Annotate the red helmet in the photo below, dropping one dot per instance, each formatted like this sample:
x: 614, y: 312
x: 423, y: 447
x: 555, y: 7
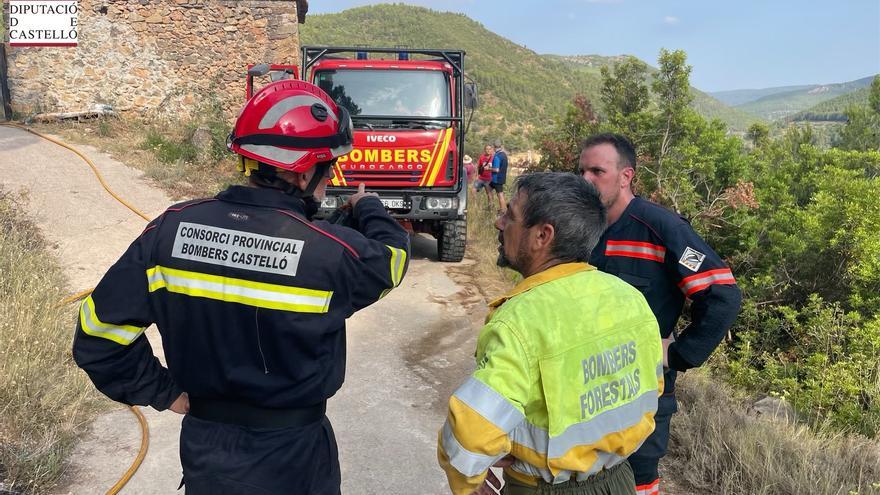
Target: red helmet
x: 292, y: 125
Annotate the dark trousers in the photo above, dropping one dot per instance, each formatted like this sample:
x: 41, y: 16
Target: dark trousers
x: 615, y: 481
x: 223, y: 459
x: 645, y: 460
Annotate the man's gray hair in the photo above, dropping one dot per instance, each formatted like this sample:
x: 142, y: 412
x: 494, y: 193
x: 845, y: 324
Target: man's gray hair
x: 571, y: 205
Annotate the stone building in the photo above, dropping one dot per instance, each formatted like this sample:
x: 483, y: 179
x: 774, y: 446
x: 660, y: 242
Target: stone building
x: 156, y: 55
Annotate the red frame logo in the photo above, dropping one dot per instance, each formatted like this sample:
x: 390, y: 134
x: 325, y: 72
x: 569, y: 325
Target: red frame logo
x: 43, y: 22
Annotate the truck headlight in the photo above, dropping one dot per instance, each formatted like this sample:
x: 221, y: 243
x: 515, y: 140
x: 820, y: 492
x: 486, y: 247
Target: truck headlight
x: 442, y: 203
x: 330, y: 202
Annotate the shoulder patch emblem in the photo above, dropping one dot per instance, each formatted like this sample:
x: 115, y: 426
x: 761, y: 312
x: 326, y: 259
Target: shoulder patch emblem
x: 692, y: 259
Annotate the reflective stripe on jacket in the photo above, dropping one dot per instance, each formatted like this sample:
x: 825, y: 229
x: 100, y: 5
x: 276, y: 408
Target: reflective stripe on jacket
x: 569, y: 369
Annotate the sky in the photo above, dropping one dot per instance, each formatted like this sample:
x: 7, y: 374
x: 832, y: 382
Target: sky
x: 731, y: 44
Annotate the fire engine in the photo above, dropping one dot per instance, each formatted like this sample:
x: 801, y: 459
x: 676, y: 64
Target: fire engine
x: 408, y: 110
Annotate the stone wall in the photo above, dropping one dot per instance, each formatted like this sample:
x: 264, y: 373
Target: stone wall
x: 165, y: 56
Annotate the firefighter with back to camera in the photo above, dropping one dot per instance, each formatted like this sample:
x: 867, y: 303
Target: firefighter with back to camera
x: 250, y: 296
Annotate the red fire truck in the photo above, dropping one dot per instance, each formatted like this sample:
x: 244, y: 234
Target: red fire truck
x: 408, y: 109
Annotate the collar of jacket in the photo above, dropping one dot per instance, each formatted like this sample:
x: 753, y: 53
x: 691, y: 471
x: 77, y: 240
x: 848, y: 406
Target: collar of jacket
x: 264, y: 197
x: 550, y: 274
x: 630, y: 209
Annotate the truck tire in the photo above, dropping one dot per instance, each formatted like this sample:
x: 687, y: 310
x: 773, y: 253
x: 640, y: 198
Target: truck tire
x: 452, y: 240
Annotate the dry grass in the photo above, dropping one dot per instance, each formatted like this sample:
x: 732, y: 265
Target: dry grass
x: 44, y: 399
x: 715, y: 446
x: 482, y: 247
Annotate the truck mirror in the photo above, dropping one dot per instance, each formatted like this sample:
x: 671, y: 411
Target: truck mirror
x: 279, y: 75
x: 258, y: 70
x: 470, y: 95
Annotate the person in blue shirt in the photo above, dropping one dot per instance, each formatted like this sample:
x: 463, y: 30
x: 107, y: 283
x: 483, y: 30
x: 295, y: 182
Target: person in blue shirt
x: 499, y: 174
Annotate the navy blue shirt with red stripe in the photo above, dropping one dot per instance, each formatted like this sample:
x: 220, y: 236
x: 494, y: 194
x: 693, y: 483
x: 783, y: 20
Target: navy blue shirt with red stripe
x: 658, y: 252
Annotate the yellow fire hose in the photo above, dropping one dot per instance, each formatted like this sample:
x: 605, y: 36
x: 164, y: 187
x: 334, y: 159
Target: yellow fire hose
x: 145, y: 431
x: 94, y: 168
x: 142, y: 452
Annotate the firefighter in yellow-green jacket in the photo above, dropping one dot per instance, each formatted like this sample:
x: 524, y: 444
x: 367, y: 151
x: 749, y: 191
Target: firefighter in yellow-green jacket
x: 569, y: 364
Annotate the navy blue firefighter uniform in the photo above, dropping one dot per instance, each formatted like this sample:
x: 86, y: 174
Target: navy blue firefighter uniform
x: 250, y: 298
x: 658, y: 252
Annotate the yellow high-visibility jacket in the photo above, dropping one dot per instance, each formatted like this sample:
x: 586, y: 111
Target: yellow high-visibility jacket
x: 569, y: 370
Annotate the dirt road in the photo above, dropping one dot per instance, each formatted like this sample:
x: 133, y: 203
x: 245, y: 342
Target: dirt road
x: 406, y: 353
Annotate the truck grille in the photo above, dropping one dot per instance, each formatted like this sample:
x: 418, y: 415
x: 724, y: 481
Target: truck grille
x: 383, y: 175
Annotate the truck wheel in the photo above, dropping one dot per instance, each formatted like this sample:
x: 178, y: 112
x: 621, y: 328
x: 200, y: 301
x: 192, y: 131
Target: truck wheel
x: 452, y: 240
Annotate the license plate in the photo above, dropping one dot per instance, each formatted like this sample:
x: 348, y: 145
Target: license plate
x: 393, y: 203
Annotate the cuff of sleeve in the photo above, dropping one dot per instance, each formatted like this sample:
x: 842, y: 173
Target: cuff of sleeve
x: 165, y: 401
x: 365, y: 205
x: 675, y: 361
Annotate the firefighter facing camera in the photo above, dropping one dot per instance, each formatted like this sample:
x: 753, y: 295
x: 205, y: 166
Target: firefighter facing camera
x: 250, y: 296
x: 659, y: 253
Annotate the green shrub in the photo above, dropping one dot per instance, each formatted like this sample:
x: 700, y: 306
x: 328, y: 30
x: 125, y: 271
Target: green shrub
x: 822, y: 359
x: 171, y: 140
x: 169, y: 150
x: 105, y: 128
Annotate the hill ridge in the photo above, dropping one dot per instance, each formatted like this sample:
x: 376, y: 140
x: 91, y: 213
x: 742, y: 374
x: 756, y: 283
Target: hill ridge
x: 703, y: 103
x: 521, y: 91
x: 784, y: 104
x: 833, y: 110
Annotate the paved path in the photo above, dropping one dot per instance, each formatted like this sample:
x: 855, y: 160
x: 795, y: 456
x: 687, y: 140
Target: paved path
x: 406, y: 353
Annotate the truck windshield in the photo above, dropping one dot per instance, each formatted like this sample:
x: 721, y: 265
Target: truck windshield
x: 392, y: 93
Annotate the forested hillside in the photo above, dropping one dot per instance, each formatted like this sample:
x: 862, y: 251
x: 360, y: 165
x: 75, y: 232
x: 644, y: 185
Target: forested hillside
x: 520, y: 90
x: 737, y: 97
x: 833, y: 109
x: 782, y: 105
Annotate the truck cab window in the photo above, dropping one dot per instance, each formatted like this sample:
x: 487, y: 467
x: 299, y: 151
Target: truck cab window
x: 404, y: 94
